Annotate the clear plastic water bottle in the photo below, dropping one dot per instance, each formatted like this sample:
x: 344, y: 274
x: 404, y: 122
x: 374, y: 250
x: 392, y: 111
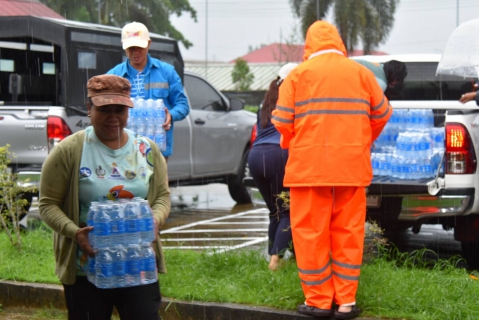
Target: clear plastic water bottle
x: 150, y: 111
x: 414, y: 168
x: 146, y: 225
x: 415, y: 116
x: 415, y: 145
x: 402, y: 114
x: 407, y: 145
x: 104, y: 268
x: 118, y: 254
x: 395, y: 166
x: 149, y: 274
x: 429, y: 115
x: 424, y: 146
x: 133, y: 265
x: 407, y: 119
x: 160, y: 138
x: 150, y: 131
x: 160, y: 113
x: 101, y: 221
x: 90, y: 221
x: 375, y: 163
x: 427, y: 168
x: 387, y: 164
x: 91, y: 270
x: 131, y: 214
x: 141, y: 127
x: 141, y: 108
x: 394, y: 120
x: 117, y: 224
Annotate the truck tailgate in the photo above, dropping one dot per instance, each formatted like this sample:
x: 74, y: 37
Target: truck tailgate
x: 25, y: 130
x: 386, y: 185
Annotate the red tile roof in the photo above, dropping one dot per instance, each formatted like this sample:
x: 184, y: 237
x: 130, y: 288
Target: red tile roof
x: 26, y: 8
x: 276, y: 52
x: 282, y: 53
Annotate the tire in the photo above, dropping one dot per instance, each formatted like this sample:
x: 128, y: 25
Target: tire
x: 470, y: 253
x: 236, y: 188
x: 387, y: 216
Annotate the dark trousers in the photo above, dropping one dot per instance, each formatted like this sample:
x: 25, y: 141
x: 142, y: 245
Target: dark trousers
x: 266, y: 163
x: 86, y: 302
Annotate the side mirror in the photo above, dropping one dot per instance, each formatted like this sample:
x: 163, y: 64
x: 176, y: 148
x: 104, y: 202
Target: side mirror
x: 236, y: 104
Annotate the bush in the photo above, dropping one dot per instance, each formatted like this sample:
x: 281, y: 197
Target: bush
x: 12, y: 206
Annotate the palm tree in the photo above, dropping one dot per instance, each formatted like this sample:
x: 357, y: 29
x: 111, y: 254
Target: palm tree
x: 368, y: 21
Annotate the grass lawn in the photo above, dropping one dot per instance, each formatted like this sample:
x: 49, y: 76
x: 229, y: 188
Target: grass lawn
x: 397, y: 285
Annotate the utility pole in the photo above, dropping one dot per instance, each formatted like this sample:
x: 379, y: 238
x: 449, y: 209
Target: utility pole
x: 317, y: 10
x: 206, y: 40
x: 99, y: 14
x: 457, y: 13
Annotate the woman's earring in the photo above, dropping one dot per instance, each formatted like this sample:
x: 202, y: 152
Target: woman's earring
x: 88, y: 115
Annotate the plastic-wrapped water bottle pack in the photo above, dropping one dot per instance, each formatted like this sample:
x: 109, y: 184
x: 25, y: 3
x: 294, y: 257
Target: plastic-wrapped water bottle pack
x: 122, y: 236
x: 147, y: 118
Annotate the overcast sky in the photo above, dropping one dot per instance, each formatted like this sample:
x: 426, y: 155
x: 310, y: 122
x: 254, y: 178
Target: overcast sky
x: 421, y: 26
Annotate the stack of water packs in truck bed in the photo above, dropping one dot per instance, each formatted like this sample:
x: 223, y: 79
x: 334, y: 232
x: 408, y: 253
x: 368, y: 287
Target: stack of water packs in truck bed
x: 409, y: 147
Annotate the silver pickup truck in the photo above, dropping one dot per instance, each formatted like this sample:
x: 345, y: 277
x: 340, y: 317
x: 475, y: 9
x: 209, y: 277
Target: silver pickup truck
x: 448, y: 195
x: 44, y: 66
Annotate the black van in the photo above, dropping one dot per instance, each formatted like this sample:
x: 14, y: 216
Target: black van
x: 44, y: 61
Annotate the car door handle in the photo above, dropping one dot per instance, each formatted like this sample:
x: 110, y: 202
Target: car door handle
x: 200, y: 121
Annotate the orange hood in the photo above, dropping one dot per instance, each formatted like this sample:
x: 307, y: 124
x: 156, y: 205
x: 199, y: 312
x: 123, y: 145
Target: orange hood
x: 321, y: 36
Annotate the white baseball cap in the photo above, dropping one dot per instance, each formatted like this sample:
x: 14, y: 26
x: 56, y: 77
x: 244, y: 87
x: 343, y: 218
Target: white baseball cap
x: 286, y: 69
x: 135, y: 34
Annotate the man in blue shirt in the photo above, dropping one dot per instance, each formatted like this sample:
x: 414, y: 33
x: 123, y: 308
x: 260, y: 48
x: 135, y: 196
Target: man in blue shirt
x: 151, y: 78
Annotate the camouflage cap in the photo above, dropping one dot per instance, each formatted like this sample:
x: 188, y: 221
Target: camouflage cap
x: 109, y: 89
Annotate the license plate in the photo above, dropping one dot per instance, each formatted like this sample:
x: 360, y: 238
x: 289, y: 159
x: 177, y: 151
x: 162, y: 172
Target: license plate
x: 373, y: 201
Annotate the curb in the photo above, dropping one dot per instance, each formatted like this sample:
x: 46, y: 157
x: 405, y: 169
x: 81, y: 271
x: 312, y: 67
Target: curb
x: 33, y: 295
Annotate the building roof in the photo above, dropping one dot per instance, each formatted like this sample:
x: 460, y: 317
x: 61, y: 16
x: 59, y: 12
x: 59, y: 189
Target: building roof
x: 26, y: 8
x: 283, y: 53
x: 275, y: 53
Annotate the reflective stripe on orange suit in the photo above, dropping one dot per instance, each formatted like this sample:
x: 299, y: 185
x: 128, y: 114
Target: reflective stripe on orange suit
x: 329, y: 111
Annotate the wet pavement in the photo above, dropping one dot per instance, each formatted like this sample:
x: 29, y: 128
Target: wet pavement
x: 206, y: 218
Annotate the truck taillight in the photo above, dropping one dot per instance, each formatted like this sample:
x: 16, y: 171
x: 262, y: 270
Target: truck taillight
x: 57, y: 130
x: 460, y: 155
x: 253, y: 134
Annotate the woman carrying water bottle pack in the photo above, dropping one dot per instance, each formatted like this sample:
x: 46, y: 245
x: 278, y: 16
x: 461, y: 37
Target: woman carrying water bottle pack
x: 104, y: 162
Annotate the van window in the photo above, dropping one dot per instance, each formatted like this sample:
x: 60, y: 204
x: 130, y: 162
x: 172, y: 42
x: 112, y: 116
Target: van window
x: 421, y: 83
x: 28, y: 73
x: 7, y: 65
x: 48, y: 68
x: 86, y: 60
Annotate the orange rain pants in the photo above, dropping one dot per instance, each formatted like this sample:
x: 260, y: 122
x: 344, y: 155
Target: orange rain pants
x: 328, y: 235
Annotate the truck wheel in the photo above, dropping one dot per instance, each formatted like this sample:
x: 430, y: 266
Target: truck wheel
x: 470, y: 252
x: 237, y: 189
x: 387, y: 215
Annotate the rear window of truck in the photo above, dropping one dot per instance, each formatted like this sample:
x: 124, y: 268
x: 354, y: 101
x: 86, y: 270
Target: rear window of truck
x: 421, y: 83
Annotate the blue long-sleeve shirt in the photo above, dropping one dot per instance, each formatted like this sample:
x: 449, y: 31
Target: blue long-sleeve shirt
x: 159, y: 81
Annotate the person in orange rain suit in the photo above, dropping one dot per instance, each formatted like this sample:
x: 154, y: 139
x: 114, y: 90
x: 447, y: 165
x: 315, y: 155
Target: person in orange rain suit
x: 329, y: 111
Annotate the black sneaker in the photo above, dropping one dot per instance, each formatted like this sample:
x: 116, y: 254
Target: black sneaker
x: 314, y: 312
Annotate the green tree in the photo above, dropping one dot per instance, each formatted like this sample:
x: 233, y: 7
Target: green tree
x: 368, y: 21
x: 152, y: 13
x: 241, y: 75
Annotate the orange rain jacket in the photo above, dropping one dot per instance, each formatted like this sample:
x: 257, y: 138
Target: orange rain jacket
x: 329, y: 111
